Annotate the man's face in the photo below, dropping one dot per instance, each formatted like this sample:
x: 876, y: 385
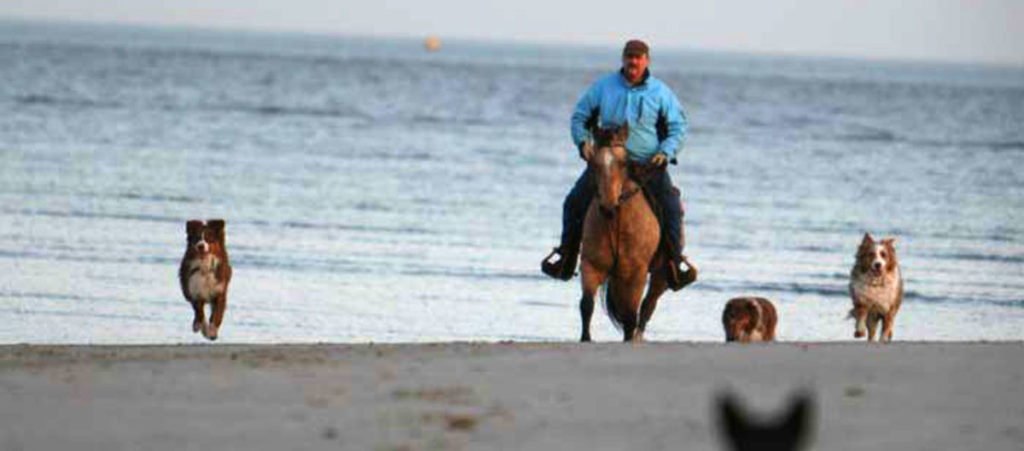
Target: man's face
x: 634, y: 65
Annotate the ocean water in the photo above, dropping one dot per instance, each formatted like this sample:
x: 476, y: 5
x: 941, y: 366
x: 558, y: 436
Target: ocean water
x: 377, y: 192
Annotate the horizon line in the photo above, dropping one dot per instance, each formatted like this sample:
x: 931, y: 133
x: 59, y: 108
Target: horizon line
x: 214, y: 28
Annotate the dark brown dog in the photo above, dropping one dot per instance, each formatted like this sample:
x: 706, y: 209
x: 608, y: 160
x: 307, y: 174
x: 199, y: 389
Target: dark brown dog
x: 205, y: 274
x: 749, y: 319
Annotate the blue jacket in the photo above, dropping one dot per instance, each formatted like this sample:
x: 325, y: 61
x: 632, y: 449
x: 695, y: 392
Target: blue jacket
x: 656, y: 119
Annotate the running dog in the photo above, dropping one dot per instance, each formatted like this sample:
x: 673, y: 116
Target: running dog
x: 205, y: 273
x: 876, y: 287
x: 749, y: 319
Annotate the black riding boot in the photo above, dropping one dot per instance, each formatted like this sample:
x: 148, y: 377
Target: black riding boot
x: 565, y: 267
x: 680, y: 272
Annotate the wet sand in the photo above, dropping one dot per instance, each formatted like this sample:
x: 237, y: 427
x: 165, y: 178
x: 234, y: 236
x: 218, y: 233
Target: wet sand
x: 605, y: 396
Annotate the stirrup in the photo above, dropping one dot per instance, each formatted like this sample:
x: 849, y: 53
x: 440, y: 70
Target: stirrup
x: 677, y: 280
x: 555, y: 269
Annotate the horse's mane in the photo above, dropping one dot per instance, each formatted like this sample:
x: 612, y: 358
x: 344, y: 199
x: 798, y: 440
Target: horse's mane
x: 610, y: 136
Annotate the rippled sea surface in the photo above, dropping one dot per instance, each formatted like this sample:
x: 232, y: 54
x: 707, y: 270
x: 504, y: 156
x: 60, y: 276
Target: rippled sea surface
x: 376, y: 192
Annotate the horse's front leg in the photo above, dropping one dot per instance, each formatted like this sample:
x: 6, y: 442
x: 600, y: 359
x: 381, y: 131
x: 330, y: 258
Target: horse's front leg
x: 657, y: 287
x: 592, y: 278
x: 630, y: 292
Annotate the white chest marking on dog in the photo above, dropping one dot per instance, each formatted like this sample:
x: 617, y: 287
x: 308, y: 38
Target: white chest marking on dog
x: 202, y: 284
x: 879, y: 293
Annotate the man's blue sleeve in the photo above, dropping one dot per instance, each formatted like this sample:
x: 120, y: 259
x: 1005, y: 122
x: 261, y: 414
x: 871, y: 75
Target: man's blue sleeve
x: 584, y: 108
x: 675, y: 119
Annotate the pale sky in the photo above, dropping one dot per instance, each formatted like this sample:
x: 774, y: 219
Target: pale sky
x: 989, y: 31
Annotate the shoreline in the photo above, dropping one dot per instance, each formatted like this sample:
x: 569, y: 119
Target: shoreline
x: 483, y: 395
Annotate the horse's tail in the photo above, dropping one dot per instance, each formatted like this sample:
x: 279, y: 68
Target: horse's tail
x: 611, y: 303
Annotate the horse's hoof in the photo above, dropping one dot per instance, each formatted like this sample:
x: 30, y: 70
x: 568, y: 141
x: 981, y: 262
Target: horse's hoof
x: 211, y: 333
x: 858, y: 335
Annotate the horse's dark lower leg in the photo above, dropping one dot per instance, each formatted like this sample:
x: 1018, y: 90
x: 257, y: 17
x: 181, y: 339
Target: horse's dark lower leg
x: 629, y: 329
x: 646, y: 311
x: 657, y: 287
x: 586, y: 311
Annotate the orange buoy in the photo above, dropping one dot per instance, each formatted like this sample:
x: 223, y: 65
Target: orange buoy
x: 432, y: 44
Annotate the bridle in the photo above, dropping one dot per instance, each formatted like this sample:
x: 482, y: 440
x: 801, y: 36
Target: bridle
x: 639, y: 173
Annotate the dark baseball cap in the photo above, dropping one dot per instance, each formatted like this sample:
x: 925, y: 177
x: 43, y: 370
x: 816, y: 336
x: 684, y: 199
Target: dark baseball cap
x: 635, y: 47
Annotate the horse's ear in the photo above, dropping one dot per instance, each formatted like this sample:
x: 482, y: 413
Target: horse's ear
x: 622, y: 133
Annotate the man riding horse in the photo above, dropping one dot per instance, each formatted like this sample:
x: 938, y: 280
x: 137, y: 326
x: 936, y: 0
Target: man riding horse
x: 657, y: 126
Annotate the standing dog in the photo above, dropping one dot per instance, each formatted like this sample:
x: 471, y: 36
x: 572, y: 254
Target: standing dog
x: 205, y: 273
x: 876, y: 287
x: 749, y: 319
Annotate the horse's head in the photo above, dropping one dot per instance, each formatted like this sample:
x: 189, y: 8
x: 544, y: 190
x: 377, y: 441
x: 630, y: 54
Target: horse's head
x: 608, y: 166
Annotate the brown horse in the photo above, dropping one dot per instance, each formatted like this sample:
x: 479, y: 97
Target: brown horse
x: 620, y: 242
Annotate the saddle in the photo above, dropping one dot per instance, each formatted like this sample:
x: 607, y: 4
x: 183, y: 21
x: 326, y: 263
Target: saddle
x: 642, y: 173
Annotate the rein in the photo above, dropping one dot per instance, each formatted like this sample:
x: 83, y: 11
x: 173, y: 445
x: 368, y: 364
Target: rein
x: 640, y: 174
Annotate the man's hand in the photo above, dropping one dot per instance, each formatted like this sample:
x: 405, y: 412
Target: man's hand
x: 659, y: 159
x: 586, y: 150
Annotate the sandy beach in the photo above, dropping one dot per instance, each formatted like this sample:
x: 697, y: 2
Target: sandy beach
x: 611, y: 396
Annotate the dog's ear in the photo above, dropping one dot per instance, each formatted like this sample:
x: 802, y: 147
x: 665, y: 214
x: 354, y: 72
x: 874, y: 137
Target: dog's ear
x: 217, y: 226
x: 867, y: 239
x: 731, y: 421
x: 193, y: 227
x: 890, y: 245
x: 788, y: 431
x: 799, y: 422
